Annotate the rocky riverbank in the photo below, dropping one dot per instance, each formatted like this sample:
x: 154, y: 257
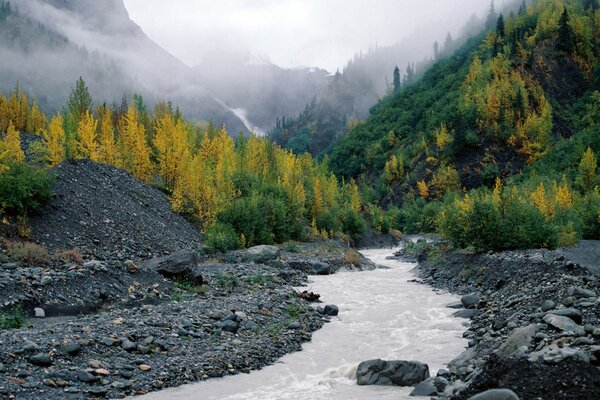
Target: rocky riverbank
x: 534, y: 321
x: 136, y: 331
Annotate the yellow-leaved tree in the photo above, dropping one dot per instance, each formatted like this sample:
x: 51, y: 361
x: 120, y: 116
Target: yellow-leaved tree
x: 586, y: 177
x: 172, y: 146
x: 10, y: 146
x: 54, y: 139
x: 135, y: 149
x: 85, y: 144
x: 107, y: 147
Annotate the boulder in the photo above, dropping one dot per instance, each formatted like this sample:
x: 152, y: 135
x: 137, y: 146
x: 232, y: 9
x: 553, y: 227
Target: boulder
x: 470, y: 300
x: 518, y: 338
x: 41, y: 360
x: 425, y: 388
x: 39, y: 312
x: 320, y: 268
x: 395, y: 373
x: 565, y: 324
x: 496, y: 394
x: 261, y: 254
x: 548, y: 305
x: 331, y: 310
x: 183, y: 264
x: 580, y: 292
x: 572, y: 313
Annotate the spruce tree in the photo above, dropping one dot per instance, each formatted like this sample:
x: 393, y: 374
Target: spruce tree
x: 500, y: 26
x: 492, y: 16
x: 80, y: 100
x: 523, y: 9
x: 566, y: 35
x: 396, y: 79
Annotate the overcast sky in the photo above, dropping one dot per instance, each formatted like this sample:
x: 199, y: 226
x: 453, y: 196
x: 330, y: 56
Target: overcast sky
x: 290, y: 33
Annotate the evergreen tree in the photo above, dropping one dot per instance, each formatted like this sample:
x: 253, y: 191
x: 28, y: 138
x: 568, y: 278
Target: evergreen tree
x: 448, y: 44
x: 396, y: 79
x: 436, y: 50
x: 492, y: 16
x: 523, y: 9
x: 566, y: 35
x: 80, y: 100
x: 593, y: 4
x: 500, y: 26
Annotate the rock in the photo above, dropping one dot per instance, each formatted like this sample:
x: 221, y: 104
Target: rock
x: 41, y: 360
x: 468, y: 314
x: 518, y: 338
x: 145, y: 367
x: 572, y: 313
x: 261, y: 254
x: 183, y: 264
x: 564, y: 324
x: 553, y: 355
x: 102, y: 371
x: 9, y: 266
x: 455, y: 304
x: 107, y: 341
x: 86, y: 377
x: 547, y: 305
x: 320, y: 268
x: 71, y: 348
x: 580, y: 292
x: 230, y: 326
x: 425, y: 388
x: 331, y: 310
x: 396, y: 373
x: 128, y: 345
x: 496, y: 394
x: 131, y: 266
x: 39, y: 312
x: 95, y: 364
x: 470, y: 300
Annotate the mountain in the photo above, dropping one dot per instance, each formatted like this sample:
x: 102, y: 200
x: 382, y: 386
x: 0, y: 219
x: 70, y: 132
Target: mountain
x: 99, y: 41
x: 502, y: 102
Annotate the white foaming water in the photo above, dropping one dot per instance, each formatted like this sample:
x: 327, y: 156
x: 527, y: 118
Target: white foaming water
x: 382, y: 315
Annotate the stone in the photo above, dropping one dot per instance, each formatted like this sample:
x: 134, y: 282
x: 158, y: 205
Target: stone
x: 553, y: 354
x: 455, y: 304
x: 128, y: 345
x: 39, y: 312
x: 71, y: 348
x: 496, y: 394
x: 467, y: 313
x: 572, y: 313
x: 395, y: 373
x: 107, y: 341
x: 95, y: 364
x: 425, y: 388
x: 470, y: 300
x: 321, y: 268
x: 131, y: 266
x: 183, y: 264
x: 580, y: 292
x: 102, y: 371
x: 564, y: 324
x: 41, y: 360
x: 518, y: 338
x: 230, y: 326
x: 261, y: 254
x: 547, y: 305
x: 86, y: 377
x: 145, y: 367
x: 331, y: 310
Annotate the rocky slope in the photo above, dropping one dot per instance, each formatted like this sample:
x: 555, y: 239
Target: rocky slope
x: 535, y: 321
x: 108, y: 214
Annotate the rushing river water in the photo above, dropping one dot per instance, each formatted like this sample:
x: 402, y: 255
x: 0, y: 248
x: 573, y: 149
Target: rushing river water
x: 382, y: 315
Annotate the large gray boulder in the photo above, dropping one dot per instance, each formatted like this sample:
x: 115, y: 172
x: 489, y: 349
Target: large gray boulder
x: 470, y: 300
x: 183, y: 264
x: 395, y: 373
x: 261, y: 254
x: 518, y: 338
x: 496, y: 394
x: 564, y: 324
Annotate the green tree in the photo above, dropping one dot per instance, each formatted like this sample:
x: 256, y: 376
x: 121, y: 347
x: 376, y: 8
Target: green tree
x: 500, y: 26
x: 80, y: 100
x: 492, y: 16
x: 397, y: 79
x: 566, y: 35
x: 586, y: 176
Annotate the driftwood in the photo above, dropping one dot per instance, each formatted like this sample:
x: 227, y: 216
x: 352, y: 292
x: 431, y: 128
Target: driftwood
x: 308, y: 296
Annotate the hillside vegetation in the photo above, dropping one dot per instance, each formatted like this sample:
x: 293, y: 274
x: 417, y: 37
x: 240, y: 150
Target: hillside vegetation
x: 494, y: 147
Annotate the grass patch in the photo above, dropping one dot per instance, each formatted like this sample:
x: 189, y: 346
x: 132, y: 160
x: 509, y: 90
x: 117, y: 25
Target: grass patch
x: 352, y: 256
x: 227, y: 280
x: 295, y: 310
x: 27, y: 252
x: 187, y: 286
x: 71, y: 256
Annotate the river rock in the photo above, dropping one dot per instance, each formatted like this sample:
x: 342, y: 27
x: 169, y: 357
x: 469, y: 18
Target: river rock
x: 518, y: 338
x: 181, y: 264
x: 547, y: 305
x: 580, y: 292
x: 320, y: 268
x: 261, y: 254
x: 331, y: 310
x: 41, y: 360
x: 565, y: 324
x: 396, y: 373
x: 470, y: 300
x: 425, y: 388
x: 496, y: 394
x: 39, y: 312
x: 572, y: 313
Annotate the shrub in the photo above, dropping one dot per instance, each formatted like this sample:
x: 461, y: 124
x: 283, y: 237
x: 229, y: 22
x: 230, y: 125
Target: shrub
x: 24, y: 189
x: 221, y: 237
x: 70, y: 256
x: 352, y: 256
x: 13, y: 319
x: 27, y: 252
x: 353, y: 224
x: 327, y: 221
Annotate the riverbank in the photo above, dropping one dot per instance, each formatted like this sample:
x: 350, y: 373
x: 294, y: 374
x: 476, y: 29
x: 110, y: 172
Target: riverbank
x: 535, y: 320
x: 153, y: 333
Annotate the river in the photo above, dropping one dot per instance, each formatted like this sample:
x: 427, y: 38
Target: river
x: 382, y: 315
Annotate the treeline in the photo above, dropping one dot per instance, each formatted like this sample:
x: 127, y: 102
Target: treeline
x: 242, y: 193
x: 497, y: 111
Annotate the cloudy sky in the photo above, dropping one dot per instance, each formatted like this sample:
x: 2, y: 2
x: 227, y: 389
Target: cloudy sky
x: 322, y: 33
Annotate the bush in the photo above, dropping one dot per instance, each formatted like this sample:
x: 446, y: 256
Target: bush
x: 24, y: 190
x: 418, y: 216
x: 327, y: 221
x: 353, y: 224
x: 13, y: 319
x: 221, y: 237
x: 588, y: 209
x: 27, y: 252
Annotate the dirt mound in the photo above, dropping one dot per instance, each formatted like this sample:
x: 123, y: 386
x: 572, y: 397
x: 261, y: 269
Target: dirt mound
x: 107, y: 213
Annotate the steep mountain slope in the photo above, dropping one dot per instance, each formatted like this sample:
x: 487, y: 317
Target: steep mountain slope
x: 503, y: 101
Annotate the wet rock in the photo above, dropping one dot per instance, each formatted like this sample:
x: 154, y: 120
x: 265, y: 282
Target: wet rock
x: 467, y: 313
x: 331, y: 310
x: 261, y: 254
x: 470, y: 300
x: 425, y: 388
x: 496, y: 394
x: 396, y: 373
x: 320, y: 268
x: 564, y: 324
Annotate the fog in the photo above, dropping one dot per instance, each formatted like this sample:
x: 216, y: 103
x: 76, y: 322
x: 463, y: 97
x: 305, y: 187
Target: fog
x: 290, y: 33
